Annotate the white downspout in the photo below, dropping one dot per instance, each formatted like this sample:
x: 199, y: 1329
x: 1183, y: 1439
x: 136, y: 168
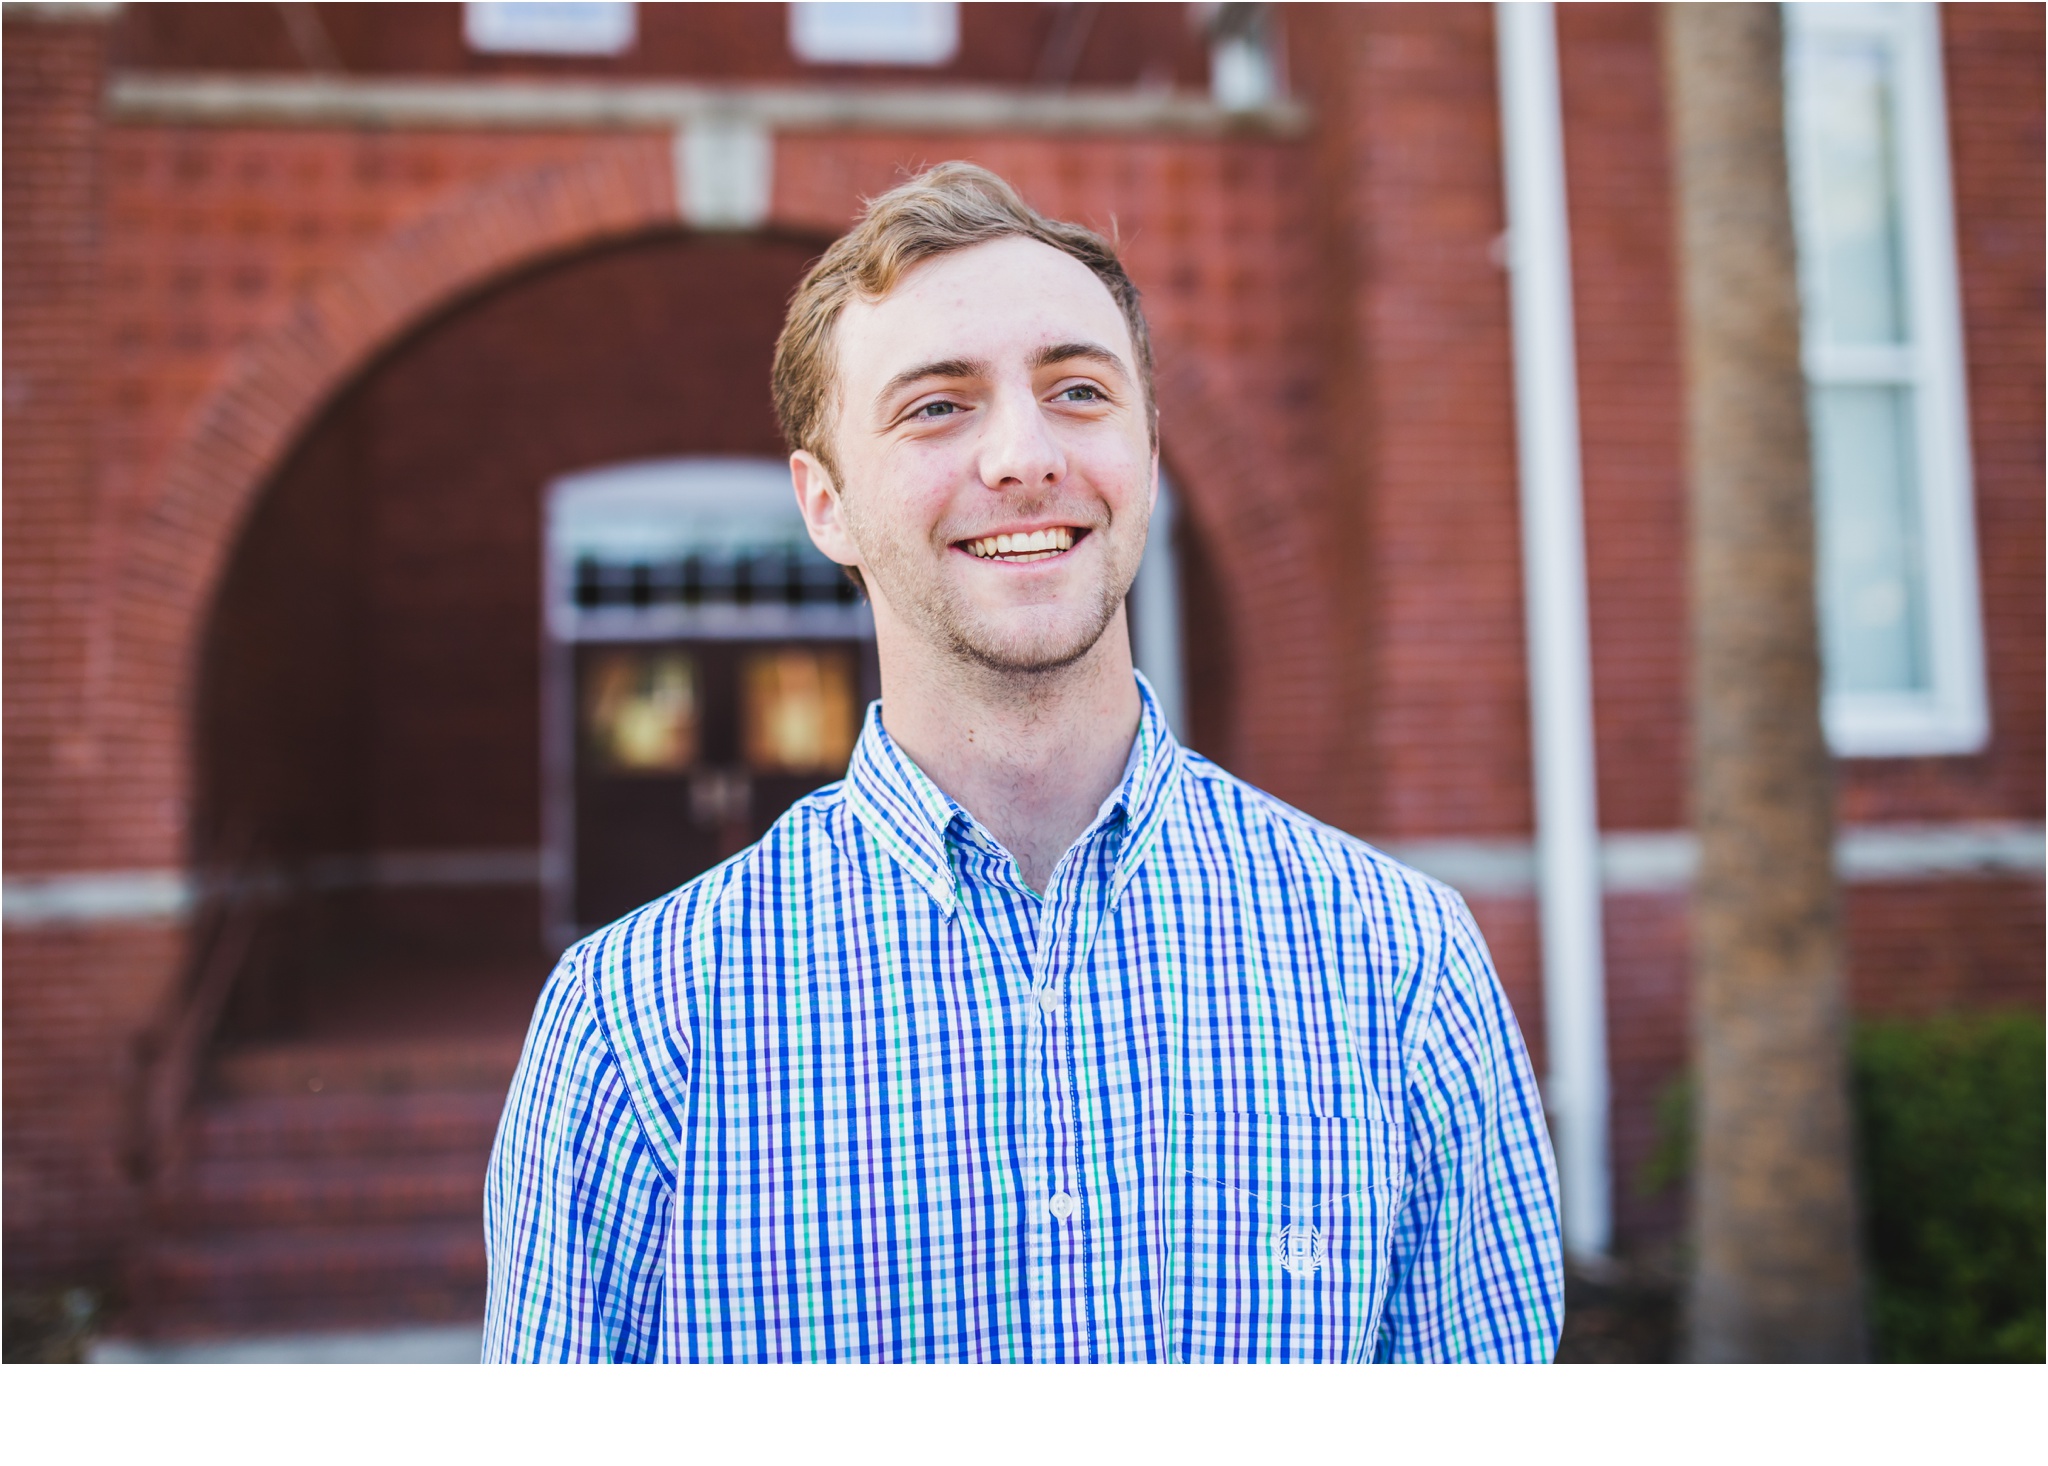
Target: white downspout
x: 1560, y: 656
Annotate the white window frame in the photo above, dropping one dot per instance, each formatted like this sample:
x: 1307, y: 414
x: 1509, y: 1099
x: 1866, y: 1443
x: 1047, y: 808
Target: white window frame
x: 650, y: 506
x: 524, y: 28
x: 857, y: 33
x: 1952, y: 717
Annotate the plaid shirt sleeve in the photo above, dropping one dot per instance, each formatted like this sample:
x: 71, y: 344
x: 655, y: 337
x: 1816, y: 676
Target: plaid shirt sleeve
x: 1478, y: 1264
x: 576, y: 1203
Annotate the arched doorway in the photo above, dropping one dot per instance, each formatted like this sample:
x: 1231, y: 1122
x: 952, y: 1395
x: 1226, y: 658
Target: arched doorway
x: 369, y: 721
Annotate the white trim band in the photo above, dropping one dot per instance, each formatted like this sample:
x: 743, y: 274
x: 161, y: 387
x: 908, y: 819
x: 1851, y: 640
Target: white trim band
x: 60, y: 12
x: 1662, y: 862
x: 122, y: 897
x: 307, y: 101
x: 1632, y: 862
x: 96, y: 898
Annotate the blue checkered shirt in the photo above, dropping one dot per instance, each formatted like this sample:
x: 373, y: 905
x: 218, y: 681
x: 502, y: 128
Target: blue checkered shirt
x: 1235, y: 1087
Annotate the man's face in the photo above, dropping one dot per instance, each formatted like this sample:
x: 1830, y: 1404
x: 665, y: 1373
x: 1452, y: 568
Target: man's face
x: 996, y: 471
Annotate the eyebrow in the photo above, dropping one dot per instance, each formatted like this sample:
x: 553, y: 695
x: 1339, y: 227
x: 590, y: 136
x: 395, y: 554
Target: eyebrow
x: 952, y: 369
x: 1078, y: 351
x: 958, y: 369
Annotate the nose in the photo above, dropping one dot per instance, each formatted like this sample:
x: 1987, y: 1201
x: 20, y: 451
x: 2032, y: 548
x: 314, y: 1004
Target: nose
x: 1018, y: 449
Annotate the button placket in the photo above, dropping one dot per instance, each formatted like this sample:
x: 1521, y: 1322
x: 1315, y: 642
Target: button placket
x: 1055, y: 962
x: 1051, y: 1236
x: 990, y: 867
x: 1038, y: 1145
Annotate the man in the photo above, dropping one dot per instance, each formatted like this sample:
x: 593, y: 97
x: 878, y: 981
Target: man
x: 1039, y: 1037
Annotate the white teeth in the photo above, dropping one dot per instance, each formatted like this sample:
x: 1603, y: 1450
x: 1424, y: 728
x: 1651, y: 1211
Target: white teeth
x: 1039, y: 542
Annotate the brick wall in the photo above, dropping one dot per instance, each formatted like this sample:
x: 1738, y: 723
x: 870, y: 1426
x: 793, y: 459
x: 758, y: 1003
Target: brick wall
x: 1012, y: 43
x: 54, y: 373
x: 1631, y: 407
x: 1423, y: 409
x: 75, y: 1000
x: 70, y: 1001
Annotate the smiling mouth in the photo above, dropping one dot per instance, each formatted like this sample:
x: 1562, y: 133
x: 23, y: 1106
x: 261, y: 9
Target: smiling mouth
x: 1020, y: 549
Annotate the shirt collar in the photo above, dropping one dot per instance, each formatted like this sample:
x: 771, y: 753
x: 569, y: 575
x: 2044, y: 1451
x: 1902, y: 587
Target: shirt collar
x: 912, y: 817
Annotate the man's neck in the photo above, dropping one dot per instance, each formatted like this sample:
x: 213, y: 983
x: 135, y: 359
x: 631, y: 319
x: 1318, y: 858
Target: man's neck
x: 1030, y: 755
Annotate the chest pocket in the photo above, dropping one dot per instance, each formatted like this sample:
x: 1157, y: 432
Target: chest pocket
x: 1279, y: 1248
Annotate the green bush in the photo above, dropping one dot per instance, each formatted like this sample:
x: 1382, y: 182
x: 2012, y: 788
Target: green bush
x: 1949, y: 1118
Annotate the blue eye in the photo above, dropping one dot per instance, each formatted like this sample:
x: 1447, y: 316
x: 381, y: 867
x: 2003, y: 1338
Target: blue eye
x: 936, y: 409
x: 1095, y: 394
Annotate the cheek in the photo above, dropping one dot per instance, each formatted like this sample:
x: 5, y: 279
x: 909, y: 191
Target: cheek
x: 1125, y: 486
x: 904, y: 495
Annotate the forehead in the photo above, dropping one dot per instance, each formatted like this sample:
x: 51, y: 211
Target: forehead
x: 986, y: 303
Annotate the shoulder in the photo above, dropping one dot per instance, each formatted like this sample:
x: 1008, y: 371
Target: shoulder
x: 639, y: 975
x: 1249, y: 821
x: 662, y: 929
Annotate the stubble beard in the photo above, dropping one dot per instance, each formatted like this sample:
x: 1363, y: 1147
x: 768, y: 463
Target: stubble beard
x: 946, y: 619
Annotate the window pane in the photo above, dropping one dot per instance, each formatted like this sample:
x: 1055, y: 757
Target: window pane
x: 640, y: 711
x: 1872, y: 599
x: 1844, y: 115
x: 875, y: 32
x: 550, y: 27
x: 799, y: 715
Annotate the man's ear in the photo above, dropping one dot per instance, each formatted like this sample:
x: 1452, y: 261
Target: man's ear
x: 817, y: 499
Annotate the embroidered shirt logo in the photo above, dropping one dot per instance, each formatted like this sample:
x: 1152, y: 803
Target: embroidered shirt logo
x: 1299, y: 1248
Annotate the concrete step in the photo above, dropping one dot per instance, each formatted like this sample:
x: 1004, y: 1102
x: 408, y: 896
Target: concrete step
x: 327, y: 1185
x: 333, y: 1276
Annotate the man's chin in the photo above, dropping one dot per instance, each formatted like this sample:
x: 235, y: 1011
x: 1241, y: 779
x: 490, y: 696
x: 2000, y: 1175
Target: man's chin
x: 1026, y: 650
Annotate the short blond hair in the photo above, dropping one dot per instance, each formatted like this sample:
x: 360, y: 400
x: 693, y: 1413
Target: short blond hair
x: 949, y: 207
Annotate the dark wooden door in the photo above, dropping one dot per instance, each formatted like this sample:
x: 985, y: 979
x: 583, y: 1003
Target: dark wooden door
x: 687, y: 751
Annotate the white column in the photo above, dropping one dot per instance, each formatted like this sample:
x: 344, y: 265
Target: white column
x: 725, y: 172
x: 1560, y: 658
x: 1155, y: 598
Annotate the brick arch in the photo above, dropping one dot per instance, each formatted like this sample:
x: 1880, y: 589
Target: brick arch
x: 1286, y: 729
x: 176, y: 544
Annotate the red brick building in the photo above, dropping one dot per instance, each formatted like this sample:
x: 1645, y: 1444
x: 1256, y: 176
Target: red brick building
x: 308, y: 306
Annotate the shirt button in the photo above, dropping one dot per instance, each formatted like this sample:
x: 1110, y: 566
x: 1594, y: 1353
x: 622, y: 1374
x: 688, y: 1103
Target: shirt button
x: 1048, y: 998
x: 1063, y: 1205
